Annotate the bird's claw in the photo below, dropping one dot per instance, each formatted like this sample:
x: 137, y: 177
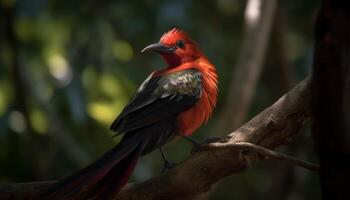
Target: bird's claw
x: 215, y: 139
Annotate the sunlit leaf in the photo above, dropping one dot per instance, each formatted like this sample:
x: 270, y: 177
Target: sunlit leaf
x: 60, y: 69
x: 39, y: 121
x: 103, y: 112
x: 6, y: 95
x: 109, y: 85
x: 89, y: 75
x: 17, y: 122
x: 122, y: 50
x: 24, y: 29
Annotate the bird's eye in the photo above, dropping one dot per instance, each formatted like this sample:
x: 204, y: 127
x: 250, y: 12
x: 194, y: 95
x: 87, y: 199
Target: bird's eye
x: 180, y: 44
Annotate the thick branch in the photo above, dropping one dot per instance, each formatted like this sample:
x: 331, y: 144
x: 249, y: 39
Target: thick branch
x: 271, y: 128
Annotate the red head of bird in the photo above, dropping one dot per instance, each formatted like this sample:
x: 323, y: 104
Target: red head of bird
x: 180, y: 52
x: 176, y: 47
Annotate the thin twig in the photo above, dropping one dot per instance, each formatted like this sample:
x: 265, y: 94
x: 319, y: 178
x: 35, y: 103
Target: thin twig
x: 266, y: 153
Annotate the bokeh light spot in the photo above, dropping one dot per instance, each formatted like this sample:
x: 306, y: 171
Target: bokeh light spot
x: 3, y: 102
x: 60, y: 69
x: 122, y: 50
x: 253, y: 12
x: 89, y: 76
x: 109, y: 85
x: 102, y: 112
x: 38, y: 121
x: 25, y: 29
x: 17, y: 122
x: 6, y: 95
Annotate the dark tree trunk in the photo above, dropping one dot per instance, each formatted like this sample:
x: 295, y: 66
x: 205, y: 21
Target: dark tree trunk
x: 331, y: 97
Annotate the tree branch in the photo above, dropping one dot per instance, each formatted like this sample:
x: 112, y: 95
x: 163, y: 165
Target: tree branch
x: 249, y: 148
x: 273, y: 127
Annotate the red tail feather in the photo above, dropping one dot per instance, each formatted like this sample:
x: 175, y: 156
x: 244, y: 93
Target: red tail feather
x: 103, y: 178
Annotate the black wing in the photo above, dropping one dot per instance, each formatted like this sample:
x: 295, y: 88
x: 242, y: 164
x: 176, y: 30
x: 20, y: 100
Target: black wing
x: 159, y: 98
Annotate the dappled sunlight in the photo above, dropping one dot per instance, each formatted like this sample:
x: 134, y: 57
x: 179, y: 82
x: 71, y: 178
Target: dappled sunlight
x: 89, y: 77
x: 17, y: 122
x: 6, y: 95
x: 110, y: 86
x: 122, y: 50
x: 24, y: 29
x: 59, y: 69
x: 46, y: 90
x: 252, y: 12
x: 104, y: 112
x: 38, y: 121
x: 3, y: 103
x: 107, y: 98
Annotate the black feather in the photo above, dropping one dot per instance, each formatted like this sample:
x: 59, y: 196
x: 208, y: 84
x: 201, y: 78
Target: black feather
x: 159, y: 98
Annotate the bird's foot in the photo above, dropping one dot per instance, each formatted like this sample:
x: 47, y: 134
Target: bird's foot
x: 168, y: 166
x: 215, y: 139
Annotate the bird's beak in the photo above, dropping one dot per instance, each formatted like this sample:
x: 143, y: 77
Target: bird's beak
x: 158, y: 47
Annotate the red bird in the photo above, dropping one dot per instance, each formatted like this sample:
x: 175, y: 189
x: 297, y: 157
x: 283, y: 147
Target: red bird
x: 174, y: 101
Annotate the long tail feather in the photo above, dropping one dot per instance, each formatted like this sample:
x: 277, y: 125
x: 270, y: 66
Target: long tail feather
x: 103, y: 178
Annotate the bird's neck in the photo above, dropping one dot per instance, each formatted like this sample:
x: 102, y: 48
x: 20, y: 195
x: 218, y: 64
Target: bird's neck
x: 172, y: 61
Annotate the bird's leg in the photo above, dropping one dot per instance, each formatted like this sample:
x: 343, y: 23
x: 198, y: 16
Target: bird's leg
x: 167, y: 164
x: 193, y: 141
x: 196, y: 145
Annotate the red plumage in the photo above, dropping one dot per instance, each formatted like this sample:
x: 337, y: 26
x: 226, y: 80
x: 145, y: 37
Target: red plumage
x: 173, y: 101
x: 191, y: 57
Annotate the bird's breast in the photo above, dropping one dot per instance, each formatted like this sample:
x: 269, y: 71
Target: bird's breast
x: 191, y: 119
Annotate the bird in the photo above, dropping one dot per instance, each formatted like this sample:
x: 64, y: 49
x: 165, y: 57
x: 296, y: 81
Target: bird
x: 173, y: 101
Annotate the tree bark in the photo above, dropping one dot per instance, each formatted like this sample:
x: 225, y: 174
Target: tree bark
x: 331, y: 97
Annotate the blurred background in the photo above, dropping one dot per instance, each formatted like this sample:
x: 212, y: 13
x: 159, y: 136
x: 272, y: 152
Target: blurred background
x: 67, y: 68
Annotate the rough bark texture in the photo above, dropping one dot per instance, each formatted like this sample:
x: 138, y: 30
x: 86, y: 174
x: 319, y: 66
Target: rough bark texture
x: 331, y: 97
x: 273, y: 127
